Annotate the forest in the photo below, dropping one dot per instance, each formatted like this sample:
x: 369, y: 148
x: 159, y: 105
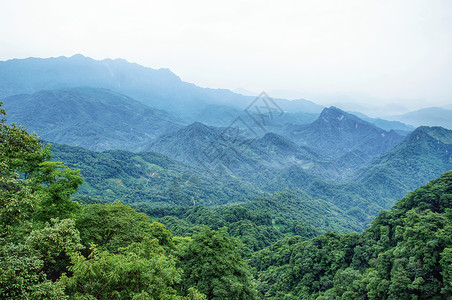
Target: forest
x: 52, y: 247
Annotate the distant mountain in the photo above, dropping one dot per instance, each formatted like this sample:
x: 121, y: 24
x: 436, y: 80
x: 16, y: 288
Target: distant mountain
x: 157, y: 88
x: 336, y: 132
x: 223, y: 115
x: 245, y: 92
x: 187, y: 144
x: 93, y: 118
x: 431, y: 116
x: 386, y: 124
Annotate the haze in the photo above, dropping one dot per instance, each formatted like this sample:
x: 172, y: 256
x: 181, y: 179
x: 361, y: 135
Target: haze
x: 369, y: 53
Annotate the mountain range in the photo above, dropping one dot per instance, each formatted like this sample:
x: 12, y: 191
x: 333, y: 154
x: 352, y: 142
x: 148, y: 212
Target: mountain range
x: 160, y: 88
x: 150, y: 139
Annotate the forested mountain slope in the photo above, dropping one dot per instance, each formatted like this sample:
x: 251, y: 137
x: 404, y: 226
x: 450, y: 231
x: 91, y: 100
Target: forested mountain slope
x: 405, y: 254
x: 264, y: 166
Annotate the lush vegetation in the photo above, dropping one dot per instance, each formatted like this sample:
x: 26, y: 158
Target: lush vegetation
x: 52, y: 247
x: 405, y: 254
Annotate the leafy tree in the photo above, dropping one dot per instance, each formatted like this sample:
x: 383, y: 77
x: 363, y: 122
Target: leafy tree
x: 22, y: 275
x: 212, y: 264
x: 32, y: 191
x: 115, y: 225
x: 53, y: 244
x: 139, y: 271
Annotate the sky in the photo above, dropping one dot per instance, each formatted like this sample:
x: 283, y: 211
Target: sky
x: 370, y: 53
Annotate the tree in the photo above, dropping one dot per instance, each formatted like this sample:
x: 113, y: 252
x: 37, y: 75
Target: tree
x: 112, y: 226
x: 32, y: 191
x: 20, y: 155
x: 212, y: 264
x: 140, y: 271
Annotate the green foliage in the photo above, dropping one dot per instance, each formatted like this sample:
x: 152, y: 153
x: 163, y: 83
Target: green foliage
x: 22, y: 275
x: 53, y: 244
x: 405, y: 254
x: 213, y: 265
x: 148, y: 177
x: 20, y: 155
x: 114, y: 226
x: 139, y: 271
x: 54, y: 184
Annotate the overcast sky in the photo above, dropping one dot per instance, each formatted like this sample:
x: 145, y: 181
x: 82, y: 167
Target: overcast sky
x: 373, y: 52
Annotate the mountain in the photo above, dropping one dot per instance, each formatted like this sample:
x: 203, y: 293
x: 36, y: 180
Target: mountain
x: 431, y: 116
x: 160, y: 88
x: 187, y: 144
x: 257, y: 166
x: 223, y: 151
x: 93, y: 118
x: 336, y: 132
x: 223, y: 116
x: 425, y: 154
x: 153, y: 182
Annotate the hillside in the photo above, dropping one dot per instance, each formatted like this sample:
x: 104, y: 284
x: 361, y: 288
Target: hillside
x: 52, y: 247
x: 405, y: 254
x: 93, y: 118
x: 149, y: 177
x: 423, y: 155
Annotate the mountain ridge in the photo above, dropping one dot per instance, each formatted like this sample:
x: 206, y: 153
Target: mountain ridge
x: 95, y: 118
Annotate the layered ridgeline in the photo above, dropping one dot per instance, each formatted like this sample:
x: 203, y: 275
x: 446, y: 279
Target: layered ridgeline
x: 265, y: 166
x: 149, y: 177
x: 331, y: 148
x: 161, y: 186
x: 93, y: 118
x: 421, y: 155
x: 160, y: 88
x: 55, y: 248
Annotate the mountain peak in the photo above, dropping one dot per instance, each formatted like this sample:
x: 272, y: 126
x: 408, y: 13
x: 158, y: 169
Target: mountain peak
x: 333, y: 113
x: 78, y: 56
x: 336, y: 132
x: 197, y: 125
x: 333, y: 118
